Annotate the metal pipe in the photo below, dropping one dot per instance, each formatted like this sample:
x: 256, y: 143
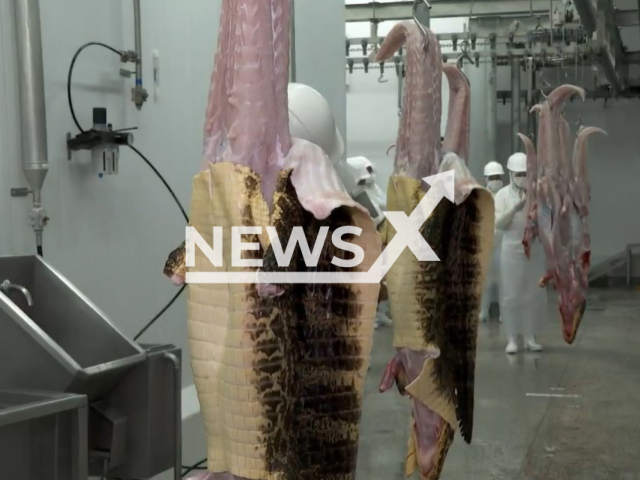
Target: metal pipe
x: 292, y: 43
x: 515, y: 104
x: 138, y: 39
x: 177, y: 380
x: 373, y: 37
x: 33, y: 119
x: 492, y: 109
x: 400, y: 89
x: 6, y: 287
x: 139, y: 95
x: 531, y: 92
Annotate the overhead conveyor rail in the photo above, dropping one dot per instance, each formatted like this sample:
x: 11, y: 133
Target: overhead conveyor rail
x: 600, y: 21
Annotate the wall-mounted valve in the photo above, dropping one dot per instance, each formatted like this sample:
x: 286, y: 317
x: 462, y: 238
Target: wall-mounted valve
x: 474, y: 37
x: 103, y: 142
x: 348, y: 47
x: 454, y: 40
x: 365, y: 62
x: 351, y: 63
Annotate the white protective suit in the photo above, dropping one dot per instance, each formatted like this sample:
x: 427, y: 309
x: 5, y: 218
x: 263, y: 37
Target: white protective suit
x: 523, y: 302
x: 491, y: 292
x: 359, y: 177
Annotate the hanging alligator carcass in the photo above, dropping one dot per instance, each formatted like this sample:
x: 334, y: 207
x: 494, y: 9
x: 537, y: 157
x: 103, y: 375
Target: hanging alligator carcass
x: 279, y: 369
x: 434, y: 305
x: 558, y: 196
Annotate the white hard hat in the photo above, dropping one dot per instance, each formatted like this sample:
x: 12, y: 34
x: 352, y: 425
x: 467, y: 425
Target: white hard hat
x: 493, y: 168
x: 311, y: 119
x: 356, y: 172
x: 517, y: 163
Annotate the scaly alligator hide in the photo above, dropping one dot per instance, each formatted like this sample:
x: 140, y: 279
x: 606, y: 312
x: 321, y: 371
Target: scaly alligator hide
x: 279, y: 369
x: 280, y: 380
x: 434, y: 305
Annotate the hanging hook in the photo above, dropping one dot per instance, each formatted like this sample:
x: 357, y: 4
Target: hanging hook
x: 382, y: 79
x: 464, y: 48
x: 422, y: 27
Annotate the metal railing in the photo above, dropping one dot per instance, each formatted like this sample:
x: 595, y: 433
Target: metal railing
x: 629, y: 251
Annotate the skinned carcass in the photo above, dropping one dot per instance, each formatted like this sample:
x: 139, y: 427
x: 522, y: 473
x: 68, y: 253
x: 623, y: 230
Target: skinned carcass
x: 558, y: 199
x: 434, y: 305
x: 279, y: 369
x: 457, y: 134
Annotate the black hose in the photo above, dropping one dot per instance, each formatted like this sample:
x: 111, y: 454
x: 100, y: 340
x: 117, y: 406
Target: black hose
x: 140, y: 154
x: 194, y: 467
x: 160, y: 313
x: 159, y: 175
x: 73, y: 63
x: 186, y: 217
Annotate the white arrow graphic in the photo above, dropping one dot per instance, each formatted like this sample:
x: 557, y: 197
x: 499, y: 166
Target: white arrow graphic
x: 407, y: 236
x: 408, y: 228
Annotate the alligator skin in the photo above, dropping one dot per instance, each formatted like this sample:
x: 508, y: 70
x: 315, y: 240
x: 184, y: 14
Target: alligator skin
x: 280, y: 380
x: 279, y: 369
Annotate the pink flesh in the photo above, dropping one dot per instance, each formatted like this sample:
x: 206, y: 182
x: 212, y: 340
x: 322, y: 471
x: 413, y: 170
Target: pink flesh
x: 247, y: 115
x: 419, y: 134
x: 427, y: 423
x: 531, y: 230
x: 177, y: 280
x: 561, y: 198
x: 215, y: 476
x: 456, y: 138
x: 208, y: 476
x: 581, y: 194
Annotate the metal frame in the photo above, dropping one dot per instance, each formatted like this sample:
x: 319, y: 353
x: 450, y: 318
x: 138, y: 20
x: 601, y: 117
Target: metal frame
x: 446, y: 8
x: 506, y: 53
x: 599, y: 19
x: 43, y: 404
x: 626, y: 18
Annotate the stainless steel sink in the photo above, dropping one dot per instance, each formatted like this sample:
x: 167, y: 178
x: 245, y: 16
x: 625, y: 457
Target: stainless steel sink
x: 61, y: 343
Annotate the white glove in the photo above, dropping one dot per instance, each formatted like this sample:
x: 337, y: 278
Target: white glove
x: 503, y: 222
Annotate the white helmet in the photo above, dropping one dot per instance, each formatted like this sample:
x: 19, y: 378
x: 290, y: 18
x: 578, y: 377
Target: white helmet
x: 517, y: 163
x: 357, y: 172
x: 493, y: 168
x: 311, y: 119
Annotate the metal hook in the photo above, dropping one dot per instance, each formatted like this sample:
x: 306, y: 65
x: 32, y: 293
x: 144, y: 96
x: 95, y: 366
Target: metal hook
x: 382, y: 79
x: 464, y: 48
x: 422, y: 28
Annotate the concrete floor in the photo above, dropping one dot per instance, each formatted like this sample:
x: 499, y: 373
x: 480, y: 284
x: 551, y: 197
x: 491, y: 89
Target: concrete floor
x: 592, y: 433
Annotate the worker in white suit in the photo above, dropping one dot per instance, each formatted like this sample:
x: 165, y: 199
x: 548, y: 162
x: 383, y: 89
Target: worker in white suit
x: 522, y: 302
x: 311, y: 119
x: 493, y: 174
x: 359, y: 177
